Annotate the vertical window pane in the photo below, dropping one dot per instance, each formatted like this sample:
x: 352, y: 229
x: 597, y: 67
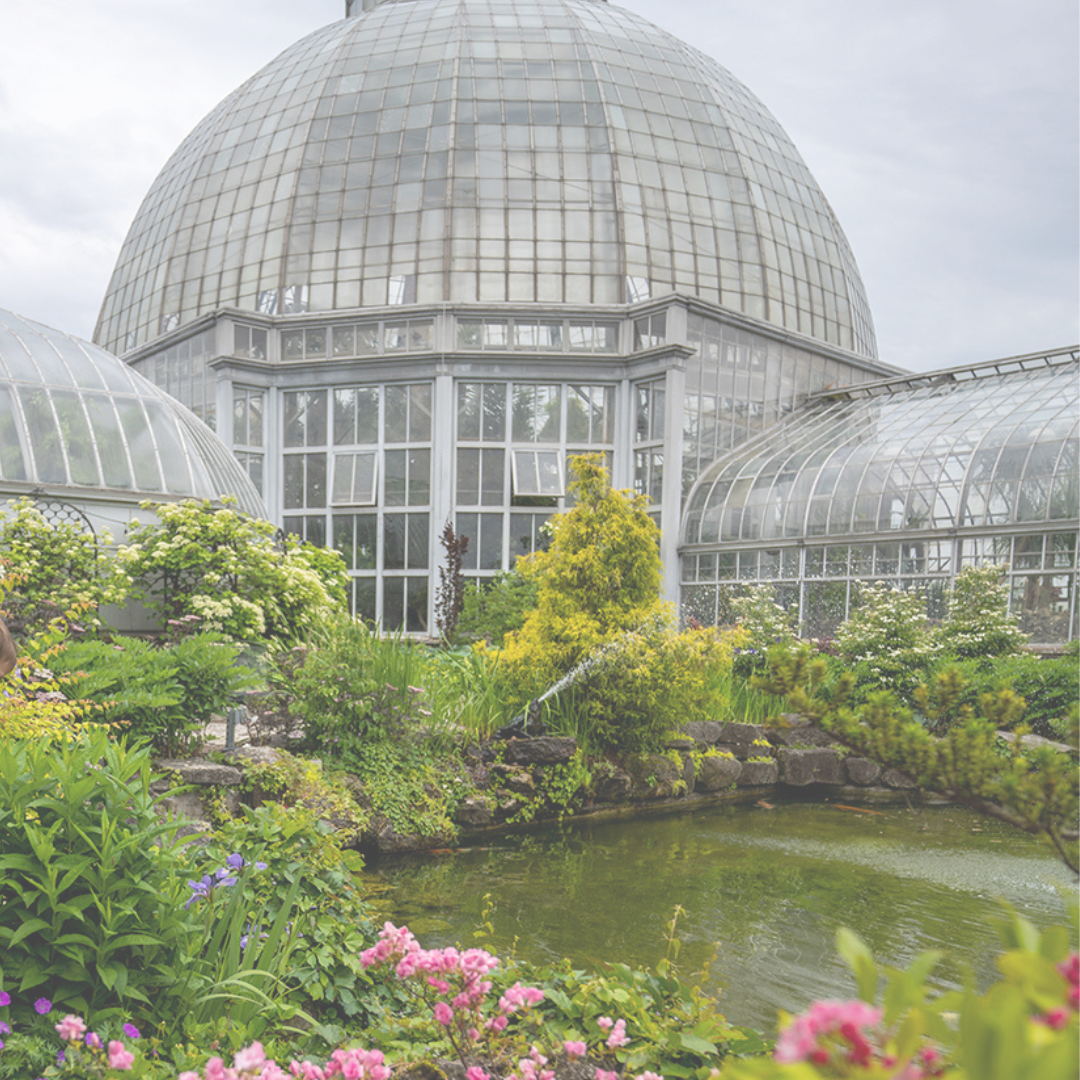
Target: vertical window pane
x: 420, y: 412
x: 344, y: 417
x: 419, y: 477
x: 394, y: 484
x: 397, y: 407
x: 418, y: 541
x: 468, y: 476
x: 394, y: 542
x: 494, y: 463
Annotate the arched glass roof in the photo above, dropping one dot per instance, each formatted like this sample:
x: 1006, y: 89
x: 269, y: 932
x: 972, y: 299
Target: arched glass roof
x: 523, y: 151
x: 931, y: 452
x: 74, y: 416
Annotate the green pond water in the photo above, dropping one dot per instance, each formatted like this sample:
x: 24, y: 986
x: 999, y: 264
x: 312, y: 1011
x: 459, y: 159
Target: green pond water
x: 765, y: 889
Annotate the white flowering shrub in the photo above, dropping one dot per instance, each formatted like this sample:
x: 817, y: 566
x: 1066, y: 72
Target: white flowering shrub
x: 887, y: 639
x: 225, y: 568
x: 54, y: 569
x: 765, y: 625
x: 978, y: 623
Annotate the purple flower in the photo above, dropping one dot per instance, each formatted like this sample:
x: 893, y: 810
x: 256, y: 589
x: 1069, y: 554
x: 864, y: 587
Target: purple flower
x: 4, y: 1029
x: 43, y: 1006
x: 234, y: 862
x: 61, y: 1057
x: 93, y: 1040
x: 131, y: 1031
x: 260, y: 866
x: 5, y: 998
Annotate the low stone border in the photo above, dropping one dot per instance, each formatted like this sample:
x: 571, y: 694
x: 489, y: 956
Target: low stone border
x: 708, y: 764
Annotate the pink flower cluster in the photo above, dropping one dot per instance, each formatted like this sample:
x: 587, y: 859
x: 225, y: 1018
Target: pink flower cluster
x: 454, y: 975
x: 1069, y: 969
x: 617, y: 1029
x: 251, y: 1063
x: 802, y: 1039
x: 73, y: 1028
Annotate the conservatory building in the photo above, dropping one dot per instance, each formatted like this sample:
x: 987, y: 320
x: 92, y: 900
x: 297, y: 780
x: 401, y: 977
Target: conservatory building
x: 434, y: 250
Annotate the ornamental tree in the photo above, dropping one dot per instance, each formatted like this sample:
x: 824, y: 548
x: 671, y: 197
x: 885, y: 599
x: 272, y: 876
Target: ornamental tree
x: 599, y: 578
x: 226, y: 569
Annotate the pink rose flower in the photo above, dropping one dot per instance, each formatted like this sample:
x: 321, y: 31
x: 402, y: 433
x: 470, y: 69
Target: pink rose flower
x: 574, y: 1049
x: 119, y: 1057
x: 474, y: 1072
x: 443, y: 1014
x: 71, y: 1028
x: 617, y: 1037
x: 605, y: 1023
x: 603, y: 1074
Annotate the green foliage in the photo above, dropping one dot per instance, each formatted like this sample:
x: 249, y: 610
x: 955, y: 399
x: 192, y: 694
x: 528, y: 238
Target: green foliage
x: 1049, y: 686
x: 887, y: 639
x: 164, y: 694
x: 36, y: 702
x: 1035, y: 789
x: 90, y: 900
x: 673, y: 1025
x: 305, y: 854
x: 412, y: 785
x: 764, y: 624
x: 225, y: 568
x: 491, y: 611
x: 978, y: 623
x: 58, y: 567
x: 297, y: 782
x: 560, y: 790
x: 599, y: 578
x: 354, y: 684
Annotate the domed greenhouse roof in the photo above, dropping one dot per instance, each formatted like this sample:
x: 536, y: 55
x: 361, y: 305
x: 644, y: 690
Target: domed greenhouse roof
x: 524, y: 151
x: 75, y: 418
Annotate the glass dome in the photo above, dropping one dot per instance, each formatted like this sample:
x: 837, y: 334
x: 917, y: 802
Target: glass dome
x: 75, y: 418
x: 521, y: 151
x: 992, y: 451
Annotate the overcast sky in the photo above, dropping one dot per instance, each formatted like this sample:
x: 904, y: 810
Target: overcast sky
x: 943, y: 132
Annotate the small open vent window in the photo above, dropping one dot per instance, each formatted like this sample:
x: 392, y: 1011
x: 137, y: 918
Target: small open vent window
x: 537, y: 472
x: 355, y: 478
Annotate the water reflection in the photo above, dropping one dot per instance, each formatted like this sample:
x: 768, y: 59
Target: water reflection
x: 765, y: 889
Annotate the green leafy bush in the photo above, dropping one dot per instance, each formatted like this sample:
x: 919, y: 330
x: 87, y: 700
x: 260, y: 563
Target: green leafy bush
x: 303, y: 852
x: 1049, y: 686
x: 412, y: 784
x: 59, y: 567
x: 91, y: 901
x: 227, y: 569
x: 353, y: 684
x: 764, y: 624
x: 164, y: 694
x: 634, y: 691
x: 496, y: 608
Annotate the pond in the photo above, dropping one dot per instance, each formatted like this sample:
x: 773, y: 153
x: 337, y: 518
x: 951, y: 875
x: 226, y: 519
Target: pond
x: 765, y: 889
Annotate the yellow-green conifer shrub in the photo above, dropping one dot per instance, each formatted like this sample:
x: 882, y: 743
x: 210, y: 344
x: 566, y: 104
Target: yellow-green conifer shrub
x: 599, y: 578
x: 651, y: 681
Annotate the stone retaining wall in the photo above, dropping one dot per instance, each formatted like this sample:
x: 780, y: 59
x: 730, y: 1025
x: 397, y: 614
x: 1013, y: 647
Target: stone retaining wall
x: 708, y: 763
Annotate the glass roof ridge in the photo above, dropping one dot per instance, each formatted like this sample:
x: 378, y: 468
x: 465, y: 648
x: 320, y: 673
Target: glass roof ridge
x: 1034, y: 361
